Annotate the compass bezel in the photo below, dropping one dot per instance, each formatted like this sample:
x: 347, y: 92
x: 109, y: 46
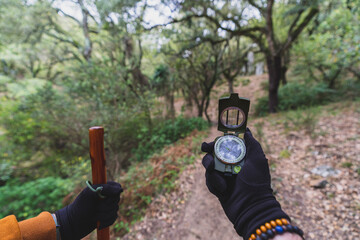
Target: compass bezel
x: 221, y: 158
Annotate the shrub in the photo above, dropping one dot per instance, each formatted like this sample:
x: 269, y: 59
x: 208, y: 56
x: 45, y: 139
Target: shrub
x: 166, y: 132
x: 29, y: 199
x: 43, y: 129
x: 5, y: 171
x: 295, y: 95
x: 3, y: 81
x: 47, y: 132
x: 350, y: 89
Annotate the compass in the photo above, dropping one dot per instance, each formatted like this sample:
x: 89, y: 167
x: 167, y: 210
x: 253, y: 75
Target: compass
x: 230, y: 150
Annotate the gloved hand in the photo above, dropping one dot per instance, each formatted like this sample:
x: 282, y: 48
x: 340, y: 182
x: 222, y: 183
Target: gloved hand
x: 247, y: 198
x: 80, y: 217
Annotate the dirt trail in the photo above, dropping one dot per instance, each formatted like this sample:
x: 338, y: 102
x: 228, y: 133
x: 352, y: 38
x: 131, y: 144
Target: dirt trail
x: 203, y: 217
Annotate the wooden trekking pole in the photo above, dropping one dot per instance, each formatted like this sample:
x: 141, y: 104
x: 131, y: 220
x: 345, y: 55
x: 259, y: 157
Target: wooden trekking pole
x: 98, y: 167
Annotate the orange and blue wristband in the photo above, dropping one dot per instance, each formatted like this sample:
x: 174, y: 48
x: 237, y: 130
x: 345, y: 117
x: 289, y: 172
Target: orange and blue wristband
x: 275, y: 227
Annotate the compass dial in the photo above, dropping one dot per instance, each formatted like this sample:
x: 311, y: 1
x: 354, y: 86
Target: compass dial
x: 230, y: 149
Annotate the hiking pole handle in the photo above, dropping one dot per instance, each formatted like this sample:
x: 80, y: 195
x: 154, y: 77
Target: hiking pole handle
x: 98, y: 167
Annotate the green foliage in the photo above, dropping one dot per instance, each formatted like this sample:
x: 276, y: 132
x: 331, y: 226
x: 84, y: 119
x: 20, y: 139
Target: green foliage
x: 161, y: 79
x: 122, y: 227
x: 26, y: 200
x: 346, y: 164
x: 5, y: 171
x: 196, y: 144
x: 296, y: 95
x: 3, y: 82
x: 285, y: 154
x: 331, y: 53
x: 165, y: 133
x: 349, y: 89
x: 46, y: 133
x: 245, y: 81
x: 302, y: 119
x: 25, y: 87
x: 262, y: 106
x: 40, y: 132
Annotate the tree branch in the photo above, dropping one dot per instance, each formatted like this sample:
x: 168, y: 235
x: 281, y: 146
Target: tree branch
x: 252, y: 3
x: 203, y: 39
x: 270, y: 28
x: 67, y: 15
x: 294, y: 34
x: 248, y: 31
x: 238, y: 32
x: 61, y: 39
x: 295, y: 21
x: 85, y: 26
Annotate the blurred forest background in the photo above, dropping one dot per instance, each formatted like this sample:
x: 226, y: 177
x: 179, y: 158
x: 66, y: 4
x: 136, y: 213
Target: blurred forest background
x: 68, y: 65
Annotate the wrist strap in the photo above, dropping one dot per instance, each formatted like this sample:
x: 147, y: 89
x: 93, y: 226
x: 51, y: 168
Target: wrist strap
x: 58, y: 237
x: 275, y: 227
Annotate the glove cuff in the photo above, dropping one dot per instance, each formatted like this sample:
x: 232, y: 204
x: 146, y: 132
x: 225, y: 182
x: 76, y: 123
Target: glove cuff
x: 247, y: 223
x: 65, y: 226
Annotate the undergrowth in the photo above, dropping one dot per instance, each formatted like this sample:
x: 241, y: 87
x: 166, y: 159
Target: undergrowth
x: 296, y: 95
x: 158, y: 175
x: 26, y: 200
x: 165, y: 133
x: 302, y: 119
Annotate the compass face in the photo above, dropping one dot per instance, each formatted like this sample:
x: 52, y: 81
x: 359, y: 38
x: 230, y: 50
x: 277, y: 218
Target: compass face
x: 230, y: 149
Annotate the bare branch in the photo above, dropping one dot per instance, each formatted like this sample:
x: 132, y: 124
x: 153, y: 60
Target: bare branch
x: 254, y: 4
x: 75, y: 44
x: 69, y: 16
x: 248, y: 31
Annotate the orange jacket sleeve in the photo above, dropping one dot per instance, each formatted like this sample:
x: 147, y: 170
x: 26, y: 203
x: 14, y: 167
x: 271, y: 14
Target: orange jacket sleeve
x: 41, y: 227
x: 9, y: 229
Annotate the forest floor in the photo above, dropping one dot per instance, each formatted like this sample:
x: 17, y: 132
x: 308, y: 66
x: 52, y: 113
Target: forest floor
x: 315, y: 166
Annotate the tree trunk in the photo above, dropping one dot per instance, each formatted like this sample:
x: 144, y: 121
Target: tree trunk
x: 200, y: 111
x: 334, y: 77
x: 274, y: 71
x: 200, y: 106
x: 285, y: 61
x: 206, y: 107
x: 170, y: 107
x: 283, y: 75
x: 231, y: 86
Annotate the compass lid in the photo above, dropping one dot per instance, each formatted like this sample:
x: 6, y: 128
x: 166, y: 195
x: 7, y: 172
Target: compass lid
x: 233, y: 113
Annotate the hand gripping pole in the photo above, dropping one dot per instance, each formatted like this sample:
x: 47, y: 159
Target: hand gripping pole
x: 98, y: 167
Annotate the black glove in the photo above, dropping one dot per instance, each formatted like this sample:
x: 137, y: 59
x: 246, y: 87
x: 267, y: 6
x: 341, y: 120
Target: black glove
x: 247, y: 198
x: 80, y: 217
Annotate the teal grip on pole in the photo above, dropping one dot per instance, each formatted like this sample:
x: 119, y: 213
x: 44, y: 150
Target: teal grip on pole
x: 97, y: 190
